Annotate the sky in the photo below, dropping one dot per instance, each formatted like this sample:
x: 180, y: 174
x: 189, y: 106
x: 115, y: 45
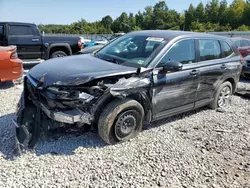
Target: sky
x: 68, y: 11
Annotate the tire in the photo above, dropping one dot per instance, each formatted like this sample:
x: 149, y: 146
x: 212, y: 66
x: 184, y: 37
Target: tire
x: 58, y: 54
x: 215, y: 103
x: 114, y: 125
x: 29, y: 130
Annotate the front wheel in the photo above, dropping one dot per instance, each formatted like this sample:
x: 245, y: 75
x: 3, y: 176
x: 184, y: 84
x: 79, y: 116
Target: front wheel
x: 223, y: 96
x: 120, y: 121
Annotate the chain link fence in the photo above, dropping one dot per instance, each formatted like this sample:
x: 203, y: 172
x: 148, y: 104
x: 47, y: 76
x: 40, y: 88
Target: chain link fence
x: 243, y: 34
x: 103, y: 36
x: 85, y: 36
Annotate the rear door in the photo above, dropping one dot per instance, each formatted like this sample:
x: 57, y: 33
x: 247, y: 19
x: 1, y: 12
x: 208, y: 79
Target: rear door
x: 27, y: 40
x: 213, y: 68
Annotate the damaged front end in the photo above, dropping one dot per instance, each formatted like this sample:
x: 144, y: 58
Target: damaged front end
x: 70, y: 106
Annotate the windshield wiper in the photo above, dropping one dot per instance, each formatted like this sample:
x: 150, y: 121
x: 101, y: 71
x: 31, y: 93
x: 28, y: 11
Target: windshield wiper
x: 112, y: 60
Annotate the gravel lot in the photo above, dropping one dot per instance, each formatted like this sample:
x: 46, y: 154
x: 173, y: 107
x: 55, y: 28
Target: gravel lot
x: 203, y: 148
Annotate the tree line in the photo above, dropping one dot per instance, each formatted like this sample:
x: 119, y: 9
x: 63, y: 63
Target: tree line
x: 214, y: 16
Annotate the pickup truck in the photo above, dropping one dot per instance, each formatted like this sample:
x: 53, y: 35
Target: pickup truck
x: 32, y: 45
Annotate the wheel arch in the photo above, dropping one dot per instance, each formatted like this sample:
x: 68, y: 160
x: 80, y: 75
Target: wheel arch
x: 58, y: 47
x: 140, y: 97
x: 233, y: 82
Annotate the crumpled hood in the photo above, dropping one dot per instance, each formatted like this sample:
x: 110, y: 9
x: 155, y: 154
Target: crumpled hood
x: 76, y: 70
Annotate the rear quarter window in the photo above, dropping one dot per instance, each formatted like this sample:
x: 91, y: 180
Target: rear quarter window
x: 20, y: 30
x: 226, y: 49
x: 209, y: 49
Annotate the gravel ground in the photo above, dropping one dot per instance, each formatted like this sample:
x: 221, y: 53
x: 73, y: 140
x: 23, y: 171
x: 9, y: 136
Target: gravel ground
x: 204, y: 148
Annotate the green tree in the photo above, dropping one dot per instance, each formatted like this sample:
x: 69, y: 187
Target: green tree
x: 199, y: 13
x: 139, y: 19
x: 132, y: 21
x: 212, y: 11
x: 223, y: 13
x: 246, y: 14
x: 148, y: 18
x: 107, y: 22
x: 189, y: 17
x: 235, y: 14
x: 243, y: 28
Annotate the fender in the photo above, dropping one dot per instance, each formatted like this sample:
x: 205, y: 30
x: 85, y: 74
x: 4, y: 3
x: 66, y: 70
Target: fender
x: 223, y: 80
x: 65, y: 45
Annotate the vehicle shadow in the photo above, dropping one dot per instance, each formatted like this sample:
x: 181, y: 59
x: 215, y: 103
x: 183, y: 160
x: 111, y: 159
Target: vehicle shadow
x: 244, y: 80
x: 64, y: 143
x: 67, y: 143
x: 171, y: 119
x: 6, y: 85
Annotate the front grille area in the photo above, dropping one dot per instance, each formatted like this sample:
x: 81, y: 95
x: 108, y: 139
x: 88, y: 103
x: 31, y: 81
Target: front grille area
x: 33, y: 93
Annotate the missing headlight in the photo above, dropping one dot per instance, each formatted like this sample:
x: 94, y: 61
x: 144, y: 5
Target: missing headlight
x: 86, y: 97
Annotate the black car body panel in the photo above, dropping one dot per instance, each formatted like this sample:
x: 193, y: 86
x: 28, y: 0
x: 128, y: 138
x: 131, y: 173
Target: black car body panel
x: 81, y: 69
x: 246, y: 67
x: 91, y: 49
x: 32, y: 45
x: 75, y: 90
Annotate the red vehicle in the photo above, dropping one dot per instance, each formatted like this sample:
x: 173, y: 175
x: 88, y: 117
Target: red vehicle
x: 243, y: 45
x: 11, y: 67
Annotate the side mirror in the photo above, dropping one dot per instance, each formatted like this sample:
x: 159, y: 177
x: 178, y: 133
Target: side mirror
x: 172, y: 66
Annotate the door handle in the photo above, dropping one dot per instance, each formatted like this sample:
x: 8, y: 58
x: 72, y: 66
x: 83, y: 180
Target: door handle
x: 223, y: 66
x: 194, y: 72
x: 35, y: 40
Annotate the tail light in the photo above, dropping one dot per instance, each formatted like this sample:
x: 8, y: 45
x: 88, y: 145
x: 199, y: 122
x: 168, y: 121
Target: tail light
x: 13, y: 55
x: 80, y: 44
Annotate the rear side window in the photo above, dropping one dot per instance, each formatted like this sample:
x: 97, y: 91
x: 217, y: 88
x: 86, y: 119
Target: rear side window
x: 209, y: 49
x: 226, y: 49
x: 244, y: 43
x: 20, y: 30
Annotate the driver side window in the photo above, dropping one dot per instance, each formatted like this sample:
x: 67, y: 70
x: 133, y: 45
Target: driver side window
x: 183, y: 52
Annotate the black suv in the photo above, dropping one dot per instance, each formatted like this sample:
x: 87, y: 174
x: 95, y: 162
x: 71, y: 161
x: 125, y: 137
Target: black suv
x: 140, y: 77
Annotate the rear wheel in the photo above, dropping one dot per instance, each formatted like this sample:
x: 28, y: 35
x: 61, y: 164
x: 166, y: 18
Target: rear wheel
x: 57, y: 54
x: 222, y: 96
x: 120, y: 121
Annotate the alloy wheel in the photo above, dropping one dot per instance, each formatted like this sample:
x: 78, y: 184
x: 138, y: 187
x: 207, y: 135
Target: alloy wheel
x: 224, y: 97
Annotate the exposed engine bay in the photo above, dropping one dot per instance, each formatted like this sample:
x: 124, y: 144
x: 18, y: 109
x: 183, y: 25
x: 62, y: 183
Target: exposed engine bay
x: 75, y: 105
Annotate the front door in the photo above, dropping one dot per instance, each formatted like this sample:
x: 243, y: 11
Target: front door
x: 28, y: 44
x: 175, y: 92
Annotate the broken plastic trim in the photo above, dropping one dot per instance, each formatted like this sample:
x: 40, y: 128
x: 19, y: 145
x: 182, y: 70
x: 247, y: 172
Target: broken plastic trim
x: 68, y: 116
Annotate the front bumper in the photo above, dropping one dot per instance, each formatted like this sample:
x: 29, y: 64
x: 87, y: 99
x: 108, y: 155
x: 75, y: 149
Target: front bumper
x: 68, y: 116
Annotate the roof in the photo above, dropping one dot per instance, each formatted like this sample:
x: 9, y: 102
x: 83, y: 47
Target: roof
x: 17, y: 23
x: 170, y: 34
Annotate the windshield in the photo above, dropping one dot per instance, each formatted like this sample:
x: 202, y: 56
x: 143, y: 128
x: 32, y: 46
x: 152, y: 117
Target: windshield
x: 131, y: 50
